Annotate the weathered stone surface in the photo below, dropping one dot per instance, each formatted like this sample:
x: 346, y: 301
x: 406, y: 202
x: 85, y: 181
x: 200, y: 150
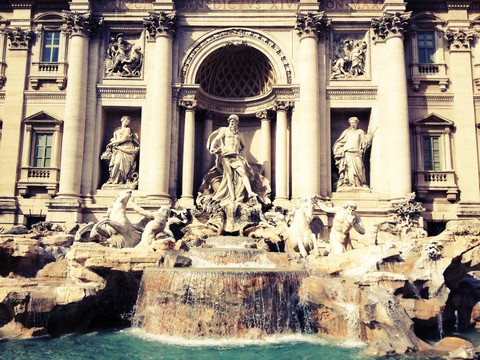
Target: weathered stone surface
x: 353, y: 263
x: 451, y: 343
x: 464, y: 352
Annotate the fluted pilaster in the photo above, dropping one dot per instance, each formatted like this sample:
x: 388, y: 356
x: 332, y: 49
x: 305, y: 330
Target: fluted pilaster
x: 266, y: 144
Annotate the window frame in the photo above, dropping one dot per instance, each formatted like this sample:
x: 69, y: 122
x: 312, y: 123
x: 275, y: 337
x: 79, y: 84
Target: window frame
x: 51, y: 46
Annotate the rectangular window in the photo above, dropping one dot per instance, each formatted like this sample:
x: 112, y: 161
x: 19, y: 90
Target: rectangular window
x: 42, y: 150
x: 51, y: 46
x: 426, y: 47
x: 431, y: 153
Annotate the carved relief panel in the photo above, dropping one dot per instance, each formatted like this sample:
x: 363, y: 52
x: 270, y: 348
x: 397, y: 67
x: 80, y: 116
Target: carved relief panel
x: 124, y: 55
x: 349, y: 56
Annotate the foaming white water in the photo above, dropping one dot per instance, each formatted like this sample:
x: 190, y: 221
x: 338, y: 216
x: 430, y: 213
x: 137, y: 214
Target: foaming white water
x: 198, y: 262
x: 237, y: 342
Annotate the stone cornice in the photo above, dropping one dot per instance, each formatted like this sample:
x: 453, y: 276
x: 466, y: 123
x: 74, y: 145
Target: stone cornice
x: 391, y: 24
x: 352, y: 94
x: 444, y: 101
x: 312, y: 25
x: 21, y: 4
x: 158, y: 24
x: 41, y: 96
x: 458, y: 5
x: 112, y: 92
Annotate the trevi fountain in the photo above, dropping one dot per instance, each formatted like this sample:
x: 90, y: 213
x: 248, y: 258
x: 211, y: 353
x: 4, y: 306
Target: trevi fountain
x: 237, y: 277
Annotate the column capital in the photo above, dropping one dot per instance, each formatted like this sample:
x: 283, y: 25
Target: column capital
x: 391, y: 25
x: 283, y: 105
x: 188, y: 104
x: 81, y: 23
x: 162, y: 23
x: 263, y: 115
x: 20, y: 39
x: 460, y: 40
x: 311, y: 24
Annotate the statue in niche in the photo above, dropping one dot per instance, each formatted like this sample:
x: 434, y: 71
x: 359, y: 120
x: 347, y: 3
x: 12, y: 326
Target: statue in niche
x: 233, y: 194
x: 123, y: 59
x: 121, y: 153
x: 350, y: 60
x: 348, y: 152
x: 344, y: 220
x: 232, y: 178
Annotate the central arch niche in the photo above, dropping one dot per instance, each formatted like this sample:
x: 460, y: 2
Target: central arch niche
x: 236, y: 71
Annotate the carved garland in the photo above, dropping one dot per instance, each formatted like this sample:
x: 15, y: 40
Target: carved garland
x: 240, y: 33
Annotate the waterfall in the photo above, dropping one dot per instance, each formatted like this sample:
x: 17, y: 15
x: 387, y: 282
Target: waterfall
x: 440, y: 324
x: 214, y: 303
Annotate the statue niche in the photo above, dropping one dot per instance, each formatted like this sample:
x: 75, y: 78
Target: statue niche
x: 233, y: 194
x: 123, y: 58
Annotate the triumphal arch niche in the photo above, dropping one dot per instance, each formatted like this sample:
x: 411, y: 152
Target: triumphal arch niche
x: 244, y: 72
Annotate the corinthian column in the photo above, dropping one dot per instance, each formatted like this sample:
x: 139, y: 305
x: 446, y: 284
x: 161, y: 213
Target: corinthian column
x: 155, y: 181
x: 393, y: 125
x: 466, y: 163
x: 307, y: 131
x: 78, y: 27
x: 266, y: 143
x: 281, y: 152
x: 188, y: 152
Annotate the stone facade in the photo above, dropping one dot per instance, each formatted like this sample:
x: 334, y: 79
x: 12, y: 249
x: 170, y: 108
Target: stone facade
x: 294, y: 72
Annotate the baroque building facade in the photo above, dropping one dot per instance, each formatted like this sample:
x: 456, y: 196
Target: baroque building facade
x: 101, y: 95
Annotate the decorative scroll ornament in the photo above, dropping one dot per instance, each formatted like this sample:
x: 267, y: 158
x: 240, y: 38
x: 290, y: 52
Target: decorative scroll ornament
x: 188, y: 104
x: 81, y: 23
x: 460, y: 39
x: 312, y: 24
x: 20, y: 38
x: 160, y: 23
x: 390, y: 24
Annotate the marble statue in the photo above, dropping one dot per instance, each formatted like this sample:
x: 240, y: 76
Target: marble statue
x: 232, y: 179
x: 344, y: 220
x: 121, y: 152
x: 159, y: 222
x: 156, y: 225
x: 116, y: 227
x: 122, y: 58
x: 299, y: 236
x: 348, y: 151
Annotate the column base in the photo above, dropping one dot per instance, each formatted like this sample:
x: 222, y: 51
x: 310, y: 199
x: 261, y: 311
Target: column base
x: 282, y: 202
x: 186, y: 202
x: 8, y: 211
x: 65, y: 210
x: 468, y: 209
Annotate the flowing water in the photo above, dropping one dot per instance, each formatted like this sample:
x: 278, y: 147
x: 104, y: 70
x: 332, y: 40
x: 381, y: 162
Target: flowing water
x: 135, y: 345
